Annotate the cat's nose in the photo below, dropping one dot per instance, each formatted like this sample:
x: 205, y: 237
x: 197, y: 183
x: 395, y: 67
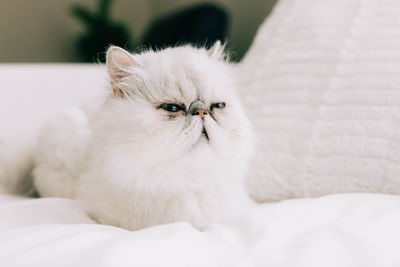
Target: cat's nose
x: 200, y: 112
x: 198, y: 108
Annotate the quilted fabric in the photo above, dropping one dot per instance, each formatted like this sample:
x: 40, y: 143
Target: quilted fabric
x: 322, y: 86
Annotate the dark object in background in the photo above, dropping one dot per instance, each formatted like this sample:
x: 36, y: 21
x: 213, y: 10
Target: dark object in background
x: 101, y: 31
x: 201, y: 25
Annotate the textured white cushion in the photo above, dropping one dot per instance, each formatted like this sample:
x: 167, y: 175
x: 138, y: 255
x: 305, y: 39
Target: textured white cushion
x: 322, y: 86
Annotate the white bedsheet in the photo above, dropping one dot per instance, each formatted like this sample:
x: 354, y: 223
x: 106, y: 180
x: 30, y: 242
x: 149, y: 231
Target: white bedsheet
x: 336, y: 230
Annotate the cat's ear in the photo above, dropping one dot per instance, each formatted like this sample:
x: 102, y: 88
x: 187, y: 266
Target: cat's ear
x: 118, y: 63
x: 217, y: 51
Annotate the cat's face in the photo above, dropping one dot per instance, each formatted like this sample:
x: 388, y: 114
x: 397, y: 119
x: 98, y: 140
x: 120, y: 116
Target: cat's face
x: 173, y: 105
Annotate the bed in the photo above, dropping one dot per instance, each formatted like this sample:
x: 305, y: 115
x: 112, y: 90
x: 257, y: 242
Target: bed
x: 317, y: 219
x: 336, y: 230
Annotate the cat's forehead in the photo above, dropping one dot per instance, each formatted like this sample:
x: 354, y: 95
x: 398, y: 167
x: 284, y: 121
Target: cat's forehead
x: 182, y: 74
x: 184, y: 85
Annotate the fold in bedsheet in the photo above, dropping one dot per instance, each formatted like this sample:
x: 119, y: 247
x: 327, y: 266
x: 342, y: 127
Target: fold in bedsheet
x: 337, y: 230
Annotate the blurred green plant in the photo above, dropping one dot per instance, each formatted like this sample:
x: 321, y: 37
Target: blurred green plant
x: 101, y: 31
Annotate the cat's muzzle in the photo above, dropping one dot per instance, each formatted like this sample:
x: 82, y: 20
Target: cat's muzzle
x: 197, y: 108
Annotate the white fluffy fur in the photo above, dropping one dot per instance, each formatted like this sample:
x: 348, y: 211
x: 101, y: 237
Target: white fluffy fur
x: 16, y: 166
x: 129, y: 164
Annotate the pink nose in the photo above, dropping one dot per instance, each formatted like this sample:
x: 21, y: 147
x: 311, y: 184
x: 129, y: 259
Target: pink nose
x: 200, y: 112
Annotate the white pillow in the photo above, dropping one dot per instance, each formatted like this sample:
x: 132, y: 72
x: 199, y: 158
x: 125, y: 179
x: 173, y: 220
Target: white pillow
x: 322, y: 86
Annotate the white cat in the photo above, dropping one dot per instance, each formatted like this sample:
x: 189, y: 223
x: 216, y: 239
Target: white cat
x: 170, y: 143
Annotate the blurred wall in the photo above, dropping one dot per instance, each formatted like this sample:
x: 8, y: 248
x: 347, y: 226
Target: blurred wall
x: 44, y: 31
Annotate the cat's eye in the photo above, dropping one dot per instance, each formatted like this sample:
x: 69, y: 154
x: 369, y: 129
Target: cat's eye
x: 172, y: 107
x: 220, y: 105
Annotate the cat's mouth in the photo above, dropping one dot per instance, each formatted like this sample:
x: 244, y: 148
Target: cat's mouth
x: 202, y: 139
x: 204, y: 133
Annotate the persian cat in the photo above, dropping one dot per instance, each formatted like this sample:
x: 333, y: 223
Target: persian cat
x: 170, y: 142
